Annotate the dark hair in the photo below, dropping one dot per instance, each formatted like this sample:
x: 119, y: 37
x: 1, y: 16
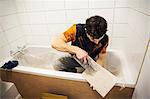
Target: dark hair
x: 96, y: 26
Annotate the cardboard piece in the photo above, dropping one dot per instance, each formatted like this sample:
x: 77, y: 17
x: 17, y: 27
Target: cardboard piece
x: 102, y: 80
x: 99, y: 78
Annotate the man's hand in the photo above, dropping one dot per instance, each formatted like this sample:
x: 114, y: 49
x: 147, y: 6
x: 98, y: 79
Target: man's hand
x: 101, y: 59
x: 82, y: 55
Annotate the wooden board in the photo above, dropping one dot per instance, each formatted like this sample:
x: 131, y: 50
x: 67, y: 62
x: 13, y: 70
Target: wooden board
x: 98, y: 77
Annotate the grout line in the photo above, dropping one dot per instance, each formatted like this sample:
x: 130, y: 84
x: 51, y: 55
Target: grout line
x: 26, y: 42
x: 4, y: 31
x: 88, y: 9
x: 65, y: 11
x: 120, y: 23
x: 8, y: 14
x: 17, y: 39
x: 39, y: 35
x: 72, y: 9
x: 17, y: 13
x: 8, y: 43
x: 139, y: 11
x: 140, y: 70
x: 47, y: 25
x: 118, y: 37
x: 113, y: 23
x: 30, y: 29
x: 57, y: 10
x: 18, y: 18
x: 63, y: 23
x: 44, y: 24
x: 11, y: 28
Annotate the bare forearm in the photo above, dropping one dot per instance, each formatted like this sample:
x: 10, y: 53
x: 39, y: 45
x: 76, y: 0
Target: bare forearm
x: 64, y: 47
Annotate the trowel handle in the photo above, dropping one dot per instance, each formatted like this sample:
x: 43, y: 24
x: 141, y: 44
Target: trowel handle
x: 83, y: 65
x: 75, y: 57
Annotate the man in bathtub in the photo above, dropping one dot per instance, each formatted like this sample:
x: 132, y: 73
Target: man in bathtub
x: 88, y: 39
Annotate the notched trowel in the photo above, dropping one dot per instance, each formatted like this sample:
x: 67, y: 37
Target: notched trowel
x: 89, y: 64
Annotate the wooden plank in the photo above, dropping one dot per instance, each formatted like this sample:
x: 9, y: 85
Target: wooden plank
x: 98, y: 77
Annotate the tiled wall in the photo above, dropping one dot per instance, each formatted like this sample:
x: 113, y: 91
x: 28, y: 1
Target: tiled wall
x: 138, y: 35
x: 131, y: 32
x: 43, y: 20
x: 11, y: 34
x: 142, y: 12
x: 143, y: 87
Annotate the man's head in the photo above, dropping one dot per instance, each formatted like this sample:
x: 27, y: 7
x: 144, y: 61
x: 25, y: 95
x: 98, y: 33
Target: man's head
x: 96, y: 27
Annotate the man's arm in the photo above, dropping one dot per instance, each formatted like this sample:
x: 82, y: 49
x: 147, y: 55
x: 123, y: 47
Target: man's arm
x: 101, y: 58
x: 102, y: 55
x: 60, y: 44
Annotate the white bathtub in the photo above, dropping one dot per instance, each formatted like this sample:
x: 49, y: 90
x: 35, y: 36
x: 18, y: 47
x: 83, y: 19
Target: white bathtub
x: 39, y: 61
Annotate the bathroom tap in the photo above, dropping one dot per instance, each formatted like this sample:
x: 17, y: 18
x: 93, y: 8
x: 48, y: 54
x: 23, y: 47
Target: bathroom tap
x: 19, y: 50
x: 19, y: 47
x: 12, y: 53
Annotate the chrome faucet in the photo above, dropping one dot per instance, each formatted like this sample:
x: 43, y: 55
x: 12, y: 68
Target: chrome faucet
x: 19, y: 50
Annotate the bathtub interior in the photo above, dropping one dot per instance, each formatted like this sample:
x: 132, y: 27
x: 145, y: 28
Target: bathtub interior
x: 113, y: 63
x: 45, y: 58
x: 39, y: 57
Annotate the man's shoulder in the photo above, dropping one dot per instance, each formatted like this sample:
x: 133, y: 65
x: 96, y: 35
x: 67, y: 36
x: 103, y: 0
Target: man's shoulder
x: 80, y: 25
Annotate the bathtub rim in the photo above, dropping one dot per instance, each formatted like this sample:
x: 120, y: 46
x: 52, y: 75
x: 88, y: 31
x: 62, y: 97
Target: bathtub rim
x: 65, y: 75
x: 59, y: 75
